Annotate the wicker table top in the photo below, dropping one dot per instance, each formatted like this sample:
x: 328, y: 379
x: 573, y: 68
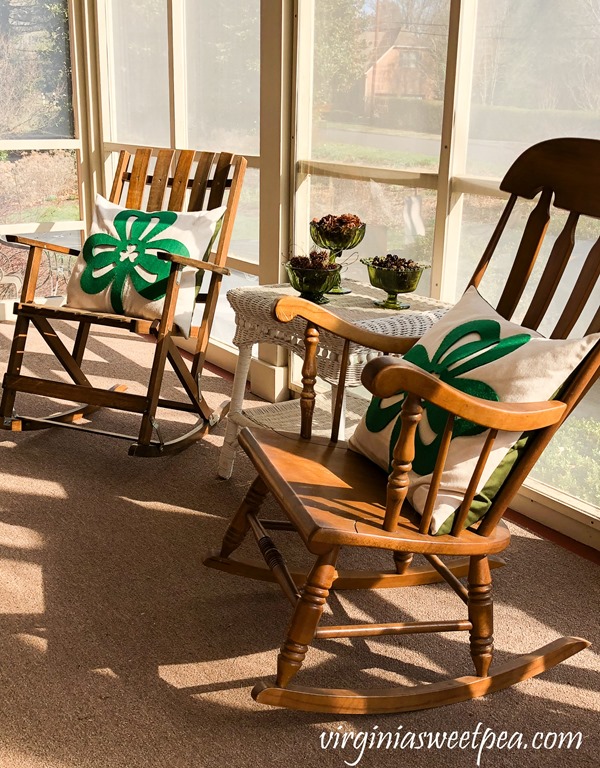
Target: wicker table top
x: 255, y: 323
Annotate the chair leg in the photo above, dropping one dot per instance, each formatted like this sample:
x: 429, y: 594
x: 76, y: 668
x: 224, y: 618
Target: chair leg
x: 307, y: 615
x: 402, y: 561
x: 480, y: 607
x: 15, y: 361
x: 239, y: 526
x: 80, y: 342
x: 153, y: 394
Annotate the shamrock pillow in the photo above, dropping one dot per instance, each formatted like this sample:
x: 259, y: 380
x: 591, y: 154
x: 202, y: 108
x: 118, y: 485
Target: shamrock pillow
x: 119, y: 272
x: 475, y: 350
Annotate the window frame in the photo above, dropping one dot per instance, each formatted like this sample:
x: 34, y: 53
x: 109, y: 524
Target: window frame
x: 574, y: 517
x: 81, y: 143
x: 285, y: 170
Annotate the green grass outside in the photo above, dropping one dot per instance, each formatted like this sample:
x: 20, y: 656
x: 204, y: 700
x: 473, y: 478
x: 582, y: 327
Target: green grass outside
x: 366, y: 128
x: 356, y: 154
x: 575, y: 454
x: 65, y: 211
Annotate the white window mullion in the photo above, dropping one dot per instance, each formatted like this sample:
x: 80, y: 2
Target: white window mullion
x: 276, y: 63
x: 303, y: 119
x: 177, y: 74
x: 453, y: 150
x: 87, y: 106
x: 269, y: 374
x: 16, y: 145
x: 249, y: 267
x: 106, y: 82
x: 474, y: 185
x: 37, y: 227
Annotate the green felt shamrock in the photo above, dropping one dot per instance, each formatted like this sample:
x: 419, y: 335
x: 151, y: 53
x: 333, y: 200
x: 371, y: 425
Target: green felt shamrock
x: 450, y: 363
x: 110, y: 260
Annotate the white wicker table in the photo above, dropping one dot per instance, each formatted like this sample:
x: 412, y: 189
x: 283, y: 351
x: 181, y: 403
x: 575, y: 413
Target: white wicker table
x: 255, y: 324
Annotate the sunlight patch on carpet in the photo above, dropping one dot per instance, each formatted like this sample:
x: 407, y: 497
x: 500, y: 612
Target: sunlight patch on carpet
x: 20, y: 484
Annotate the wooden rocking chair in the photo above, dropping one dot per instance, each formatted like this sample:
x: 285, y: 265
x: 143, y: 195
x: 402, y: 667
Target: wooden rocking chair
x: 200, y: 181
x: 333, y: 497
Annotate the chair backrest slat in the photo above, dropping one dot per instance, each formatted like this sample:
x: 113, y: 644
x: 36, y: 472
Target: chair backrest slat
x: 180, y: 180
x: 586, y: 281
x: 525, y: 259
x: 235, y: 188
x: 201, y: 181
x: 594, y: 326
x: 119, y: 179
x: 160, y: 178
x: 557, y: 262
x: 494, y: 240
x: 565, y: 171
x: 219, y: 181
x: 563, y: 174
x: 137, y: 182
x: 436, y: 478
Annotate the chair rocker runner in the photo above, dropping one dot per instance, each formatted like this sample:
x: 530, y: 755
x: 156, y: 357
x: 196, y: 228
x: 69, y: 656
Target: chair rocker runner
x: 334, y: 497
x: 200, y: 182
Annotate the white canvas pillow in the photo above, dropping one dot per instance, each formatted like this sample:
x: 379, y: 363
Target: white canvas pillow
x: 119, y: 272
x: 475, y: 350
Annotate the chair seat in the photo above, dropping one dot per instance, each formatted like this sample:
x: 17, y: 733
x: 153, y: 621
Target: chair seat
x: 333, y: 495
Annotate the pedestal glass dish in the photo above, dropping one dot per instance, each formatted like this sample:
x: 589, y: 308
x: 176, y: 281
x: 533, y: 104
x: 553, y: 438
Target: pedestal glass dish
x: 337, y: 242
x: 313, y: 283
x: 393, y: 282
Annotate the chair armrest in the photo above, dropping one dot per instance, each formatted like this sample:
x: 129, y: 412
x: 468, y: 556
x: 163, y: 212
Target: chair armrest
x: 36, y: 248
x: 385, y: 377
x: 40, y: 244
x: 185, y: 261
x: 289, y: 307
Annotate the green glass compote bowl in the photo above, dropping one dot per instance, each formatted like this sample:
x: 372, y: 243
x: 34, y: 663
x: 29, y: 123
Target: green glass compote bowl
x: 336, y: 243
x: 313, y: 283
x: 393, y: 282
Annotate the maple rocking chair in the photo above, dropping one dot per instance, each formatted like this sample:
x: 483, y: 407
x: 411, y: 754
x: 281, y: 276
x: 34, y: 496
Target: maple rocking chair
x: 200, y: 181
x: 334, y: 497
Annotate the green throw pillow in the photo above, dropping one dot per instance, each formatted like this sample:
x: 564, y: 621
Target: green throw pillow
x: 119, y: 272
x: 475, y: 350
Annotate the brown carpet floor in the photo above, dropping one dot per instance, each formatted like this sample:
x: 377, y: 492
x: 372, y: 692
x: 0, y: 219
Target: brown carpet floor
x: 118, y: 649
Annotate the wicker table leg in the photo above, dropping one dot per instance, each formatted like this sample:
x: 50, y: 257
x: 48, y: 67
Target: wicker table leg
x: 227, y: 455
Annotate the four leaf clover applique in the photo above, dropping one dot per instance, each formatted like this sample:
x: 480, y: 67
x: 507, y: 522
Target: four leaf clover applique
x: 450, y: 363
x: 111, y: 260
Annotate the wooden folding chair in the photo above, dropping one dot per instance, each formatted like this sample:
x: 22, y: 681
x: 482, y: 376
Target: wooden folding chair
x: 333, y: 497
x: 200, y: 181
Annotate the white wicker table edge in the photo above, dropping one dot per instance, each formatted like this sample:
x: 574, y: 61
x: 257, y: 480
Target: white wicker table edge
x: 255, y: 324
